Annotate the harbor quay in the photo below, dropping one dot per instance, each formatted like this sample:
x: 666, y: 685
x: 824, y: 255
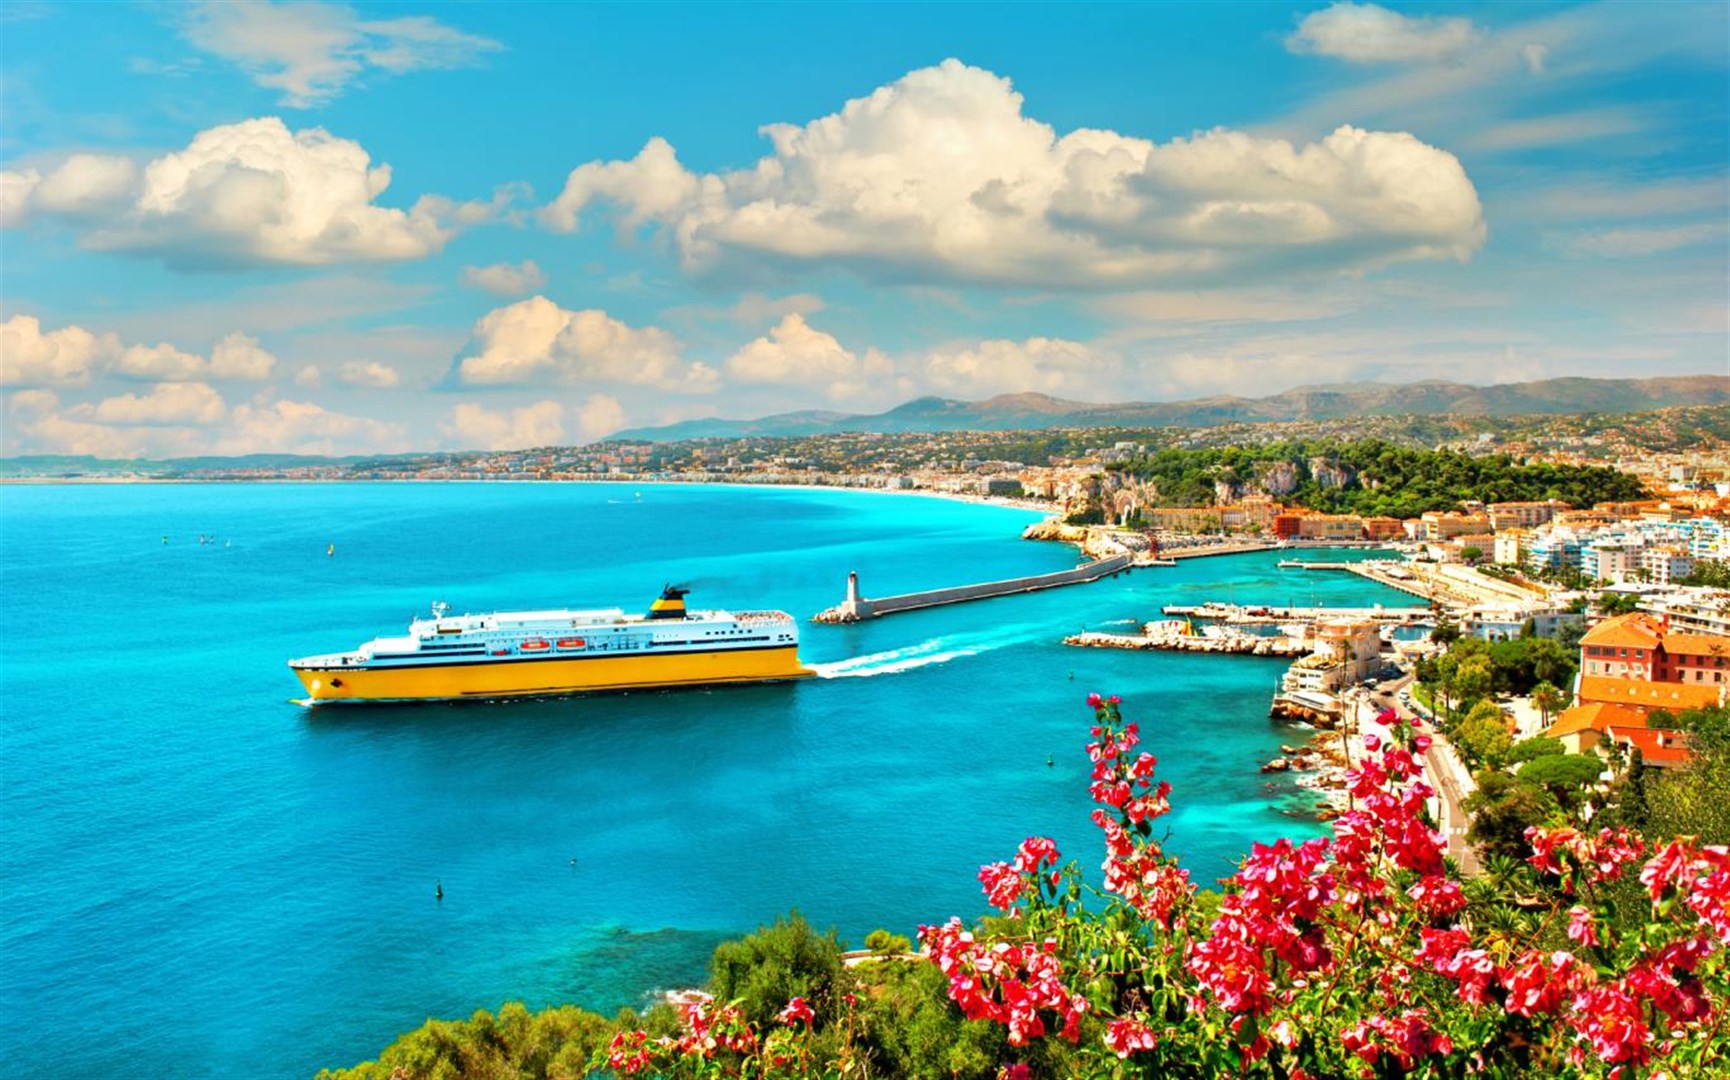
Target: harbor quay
x: 858, y: 607
x: 1261, y: 615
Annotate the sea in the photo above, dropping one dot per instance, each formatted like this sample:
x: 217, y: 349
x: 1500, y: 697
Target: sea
x: 201, y: 877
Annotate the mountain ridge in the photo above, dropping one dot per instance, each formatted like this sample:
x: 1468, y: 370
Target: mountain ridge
x: 1328, y: 401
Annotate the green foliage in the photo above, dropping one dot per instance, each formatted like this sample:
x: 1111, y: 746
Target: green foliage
x: 1483, y: 735
x: 1381, y: 477
x: 1618, y: 603
x: 909, y: 1027
x: 1502, y: 808
x: 1446, y: 632
x: 1714, y: 573
x: 1471, y: 554
x: 883, y: 943
x: 554, y: 1043
x: 1690, y: 801
x: 777, y: 963
x: 1564, y: 776
x: 1534, y: 748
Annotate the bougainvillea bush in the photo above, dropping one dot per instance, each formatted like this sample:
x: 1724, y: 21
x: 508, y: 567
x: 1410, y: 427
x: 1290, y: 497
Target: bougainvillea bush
x: 1363, y: 955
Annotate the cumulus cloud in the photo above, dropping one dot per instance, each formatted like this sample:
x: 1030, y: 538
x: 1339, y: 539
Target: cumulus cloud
x: 244, y: 194
x: 300, y: 427
x: 166, y: 404
x: 505, y: 279
x: 475, y: 427
x: 159, y: 362
x: 652, y: 185
x: 70, y: 355
x: 940, y: 176
x: 599, y: 416
x: 313, y: 51
x: 309, y: 376
x: 1371, y: 34
x: 64, y: 357
x: 536, y: 341
x: 368, y: 373
x: 794, y: 353
x: 1048, y: 365
x: 239, y: 357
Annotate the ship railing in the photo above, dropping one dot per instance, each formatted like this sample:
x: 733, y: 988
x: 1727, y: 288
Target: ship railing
x: 762, y: 616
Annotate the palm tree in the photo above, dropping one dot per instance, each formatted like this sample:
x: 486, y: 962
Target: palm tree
x: 1549, y: 699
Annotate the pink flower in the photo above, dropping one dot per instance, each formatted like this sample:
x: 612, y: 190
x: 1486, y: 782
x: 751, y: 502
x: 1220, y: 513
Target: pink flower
x: 1094, y: 700
x: 1609, y: 1018
x: 1580, y: 926
x: 1129, y: 1035
x: 798, y: 1010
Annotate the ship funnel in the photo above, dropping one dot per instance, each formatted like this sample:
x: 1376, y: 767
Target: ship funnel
x: 671, y: 605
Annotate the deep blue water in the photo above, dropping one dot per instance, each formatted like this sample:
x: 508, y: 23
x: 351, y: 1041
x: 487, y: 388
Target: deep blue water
x: 201, y: 878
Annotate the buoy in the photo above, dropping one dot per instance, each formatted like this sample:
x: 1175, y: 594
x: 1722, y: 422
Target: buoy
x: 439, y: 891
x: 331, y: 550
x: 1049, y: 761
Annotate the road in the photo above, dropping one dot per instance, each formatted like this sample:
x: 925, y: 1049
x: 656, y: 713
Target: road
x: 1443, y: 768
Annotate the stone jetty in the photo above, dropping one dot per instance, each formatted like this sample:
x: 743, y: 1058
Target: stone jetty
x: 1173, y: 637
x: 858, y: 607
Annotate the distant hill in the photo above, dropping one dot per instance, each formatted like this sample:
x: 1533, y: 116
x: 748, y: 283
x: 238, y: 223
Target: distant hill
x: 1008, y: 412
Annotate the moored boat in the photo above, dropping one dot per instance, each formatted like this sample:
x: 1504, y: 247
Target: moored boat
x: 539, y: 653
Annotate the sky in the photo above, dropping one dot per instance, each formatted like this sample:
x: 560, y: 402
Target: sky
x: 244, y: 227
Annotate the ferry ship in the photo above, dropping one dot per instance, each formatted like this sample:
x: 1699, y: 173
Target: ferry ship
x: 537, y: 653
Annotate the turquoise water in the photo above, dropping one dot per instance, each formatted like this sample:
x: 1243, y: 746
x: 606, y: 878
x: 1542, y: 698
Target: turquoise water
x: 201, y: 878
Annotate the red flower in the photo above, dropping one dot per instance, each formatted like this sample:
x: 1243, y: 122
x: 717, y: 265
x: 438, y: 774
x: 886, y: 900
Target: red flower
x: 1129, y: 1035
x: 798, y: 1010
x: 1609, y: 1018
x: 1580, y: 926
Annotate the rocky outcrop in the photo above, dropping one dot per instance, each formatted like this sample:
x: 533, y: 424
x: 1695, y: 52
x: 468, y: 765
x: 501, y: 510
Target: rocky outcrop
x: 1278, y: 478
x: 1331, y: 474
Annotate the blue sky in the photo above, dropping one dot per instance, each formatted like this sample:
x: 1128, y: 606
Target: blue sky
x: 326, y: 228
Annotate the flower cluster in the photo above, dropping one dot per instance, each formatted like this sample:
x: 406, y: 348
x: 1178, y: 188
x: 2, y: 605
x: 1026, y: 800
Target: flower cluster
x: 1005, y: 882
x: 1012, y: 984
x: 1350, y: 956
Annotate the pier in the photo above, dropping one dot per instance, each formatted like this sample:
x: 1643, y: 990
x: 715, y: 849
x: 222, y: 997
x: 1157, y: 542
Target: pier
x: 1235, y: 615
x: 857, y: 607
x: 1175, y: 638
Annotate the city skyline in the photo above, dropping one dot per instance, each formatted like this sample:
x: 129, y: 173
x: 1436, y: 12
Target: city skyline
x: 319, y: 228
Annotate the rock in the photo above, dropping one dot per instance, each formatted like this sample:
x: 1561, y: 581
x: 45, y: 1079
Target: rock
x: 1276, y: 765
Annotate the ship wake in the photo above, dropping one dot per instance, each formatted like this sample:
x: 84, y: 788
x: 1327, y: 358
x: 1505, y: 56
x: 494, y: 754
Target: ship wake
x: 925, y: 654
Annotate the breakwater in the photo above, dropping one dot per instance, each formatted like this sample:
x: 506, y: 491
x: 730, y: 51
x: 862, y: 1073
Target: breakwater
x: 1174, y: 638
x: 857, y: 607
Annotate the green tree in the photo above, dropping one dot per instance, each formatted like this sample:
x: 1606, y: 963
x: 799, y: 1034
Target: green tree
x: 1549, y: 699
x: 1527, y: 749
x: 775, y: 963
x: 1564, y: 776
x: 1502, y: 809
x: 1483, y: 734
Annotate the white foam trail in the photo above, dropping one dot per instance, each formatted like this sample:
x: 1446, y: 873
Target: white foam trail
x: 1119, y: 622
x: 924, y: 654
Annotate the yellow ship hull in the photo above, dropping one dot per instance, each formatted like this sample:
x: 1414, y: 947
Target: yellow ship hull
x: 549, y: 676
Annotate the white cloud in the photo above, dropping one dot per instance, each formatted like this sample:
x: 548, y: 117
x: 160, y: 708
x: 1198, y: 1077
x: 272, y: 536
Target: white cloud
x: 1559, y: 129
x: 64, y: 357
x: 1047, y: 365
x: 535, y: 340
x: 652, y: 185
x: 313, y: 51
x: 599, y: 416
x: 166, y: 404
x: 239, y: 357
x: 1371, y: 34
x: 300, y: 427
x: 243, y: 194
x: 793, y: 352
x: 1534, y: 55
x: 505, y: 279
x: 70, y: 355
x: 308, y: 376
x: 161, y: 362
x: 754, y: 307
x: 85, y: 183
x: 1632, y: 243
x: 368, y: 373
x: 940, y: 176
x: 474, y: 427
